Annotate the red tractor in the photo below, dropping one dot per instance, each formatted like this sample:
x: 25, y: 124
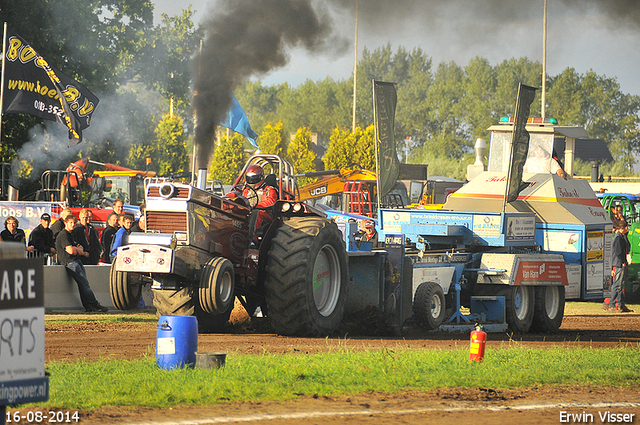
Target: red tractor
x: 201, y: 251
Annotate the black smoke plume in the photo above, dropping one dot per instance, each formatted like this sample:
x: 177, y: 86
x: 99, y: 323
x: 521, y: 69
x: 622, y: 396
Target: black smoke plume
x: 246, y: 38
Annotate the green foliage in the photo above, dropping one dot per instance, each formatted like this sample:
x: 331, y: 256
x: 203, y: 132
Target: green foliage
x: 597, y: 103
x: 228, y: 159
x: 300, y: 154
x: 346, y: 148
x: 616, y: 168
x: 108, y: 382
x: 272, y: 140
x: 440, y: 165
x: 172, y: 150
x: 164, y: 58
x: 339, y: 151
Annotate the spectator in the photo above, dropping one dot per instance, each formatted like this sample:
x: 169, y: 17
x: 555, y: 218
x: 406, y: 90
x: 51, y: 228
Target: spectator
x: 118, y: 206
x: 69, y: 254
x: 87, y: 236
x: 41, y: 237
x: 616, y: 213
x: 121, y: 235
x: 107, y: 237
x: 58, y: 225
x: 620, y: 248
x: 11, y: 233
x: 140, y: 225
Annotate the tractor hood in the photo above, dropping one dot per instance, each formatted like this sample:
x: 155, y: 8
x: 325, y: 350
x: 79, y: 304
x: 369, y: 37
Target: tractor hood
x: 549, y: 196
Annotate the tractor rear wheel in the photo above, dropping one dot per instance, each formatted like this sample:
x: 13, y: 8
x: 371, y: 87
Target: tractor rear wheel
x: 125, y: 289
x: 429, y: 305
x: 549, y: 309
x: 306, y: 277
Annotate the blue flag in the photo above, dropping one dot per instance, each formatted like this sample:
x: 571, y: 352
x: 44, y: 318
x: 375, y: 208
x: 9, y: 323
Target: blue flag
x: 237, y: 121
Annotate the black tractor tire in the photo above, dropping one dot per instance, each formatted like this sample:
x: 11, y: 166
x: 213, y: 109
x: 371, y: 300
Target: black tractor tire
x: 306, y: 277
x: 631, y: 293
x: 178, y: 302
x: 429, y: 305
x: 217, y: 285
x: 549, y: 309
x: 184, y: 302
x: 125, y: 290
x: 520, y: 301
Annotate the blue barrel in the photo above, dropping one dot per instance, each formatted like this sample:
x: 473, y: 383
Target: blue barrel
x: 177, y: 341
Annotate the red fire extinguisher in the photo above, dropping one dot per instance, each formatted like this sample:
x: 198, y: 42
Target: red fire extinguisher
x: 478, y: 342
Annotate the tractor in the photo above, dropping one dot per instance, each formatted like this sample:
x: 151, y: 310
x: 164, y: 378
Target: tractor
x: 202, y: 250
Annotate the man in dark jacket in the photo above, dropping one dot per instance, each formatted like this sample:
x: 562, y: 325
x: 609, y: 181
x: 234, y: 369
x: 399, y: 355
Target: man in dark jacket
x: 41, y: 237
x: 620, y: 248
x: 69, y: 254
x: 87, y: 236
x: 107, y: 237
x: 58, y: 225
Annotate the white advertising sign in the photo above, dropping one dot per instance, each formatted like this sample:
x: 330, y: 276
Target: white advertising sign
x: 21, y: 319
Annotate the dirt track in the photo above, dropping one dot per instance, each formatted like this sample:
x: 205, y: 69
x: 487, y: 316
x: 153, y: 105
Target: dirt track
x: 92, y: 340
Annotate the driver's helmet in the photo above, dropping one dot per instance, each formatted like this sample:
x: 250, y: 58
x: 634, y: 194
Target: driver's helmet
x: 254, y: 176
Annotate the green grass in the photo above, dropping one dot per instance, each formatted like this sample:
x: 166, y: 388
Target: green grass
x: 89, y: 385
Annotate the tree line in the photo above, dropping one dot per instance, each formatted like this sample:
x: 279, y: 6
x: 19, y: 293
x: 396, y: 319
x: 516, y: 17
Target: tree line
x: 141, y: 72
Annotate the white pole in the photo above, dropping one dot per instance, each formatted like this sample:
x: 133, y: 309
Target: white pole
x: 355, y: 75
x: 195, y: 119
x: 543, y: 98
x: 4, y: 56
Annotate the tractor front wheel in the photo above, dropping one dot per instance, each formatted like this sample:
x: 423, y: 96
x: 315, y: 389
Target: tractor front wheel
x: 125, y: 289
x: 217, y: 283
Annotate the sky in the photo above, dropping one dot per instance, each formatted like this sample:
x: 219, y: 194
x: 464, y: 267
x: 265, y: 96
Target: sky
x: 598, y: 35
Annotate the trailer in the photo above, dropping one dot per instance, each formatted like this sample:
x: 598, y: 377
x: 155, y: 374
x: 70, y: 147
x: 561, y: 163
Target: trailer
x: 449, y: 270
x: 512, y: 264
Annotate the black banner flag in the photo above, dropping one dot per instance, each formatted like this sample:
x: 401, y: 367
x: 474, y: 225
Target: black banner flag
x: 385, y: 99
x: 519, y: 141
x: 34, y: 87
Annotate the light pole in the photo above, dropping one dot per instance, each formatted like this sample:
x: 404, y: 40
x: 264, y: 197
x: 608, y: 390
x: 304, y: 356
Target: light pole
x: 543, y: 97
x: 355, y: 75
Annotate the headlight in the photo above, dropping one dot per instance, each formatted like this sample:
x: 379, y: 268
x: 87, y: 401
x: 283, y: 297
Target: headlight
x: 167, y: 190
x: 286, y: 207
x: 297, y: 207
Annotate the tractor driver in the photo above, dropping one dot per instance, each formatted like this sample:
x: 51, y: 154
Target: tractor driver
x: 267, y: 195
x: 254, y: 182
